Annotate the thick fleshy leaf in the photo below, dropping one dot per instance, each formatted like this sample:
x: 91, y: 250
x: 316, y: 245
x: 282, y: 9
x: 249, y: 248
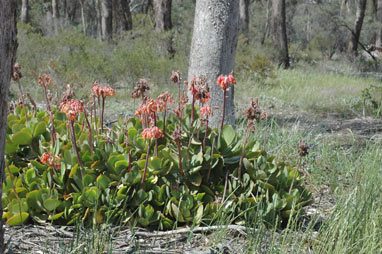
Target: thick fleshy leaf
x: 18, y: 219
x: 22, y: 137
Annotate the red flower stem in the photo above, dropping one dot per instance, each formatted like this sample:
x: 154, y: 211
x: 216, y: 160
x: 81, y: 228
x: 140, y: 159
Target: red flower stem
x: 90, y: 132
x: 243, y: 152
x: 193, y: 105
x: 75, y: 143
x: 164, y: 122
x: 100, y: 111
x: 53, y: 132
x: 212, y: 153
x: 103, y: 109
x: 205, y: 137
x: 146, y: 164
x: 224, y: 95
x: 156, y: 140
x: 180, y: 158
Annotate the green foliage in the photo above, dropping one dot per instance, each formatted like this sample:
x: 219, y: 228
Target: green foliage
x: 372, y: 100
x: 108, y: 188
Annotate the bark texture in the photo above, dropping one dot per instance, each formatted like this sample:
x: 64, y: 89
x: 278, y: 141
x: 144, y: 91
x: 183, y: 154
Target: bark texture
x: 25, y: 11
x: 107, y: 20
x: 8, y: 46
x: 279, y: 35
x: 360, y: 14
x: 244, y: 15
x: 162, y: 14
x: 379, y: 22
x: 55, y: 16
x: 213, y: 49
x: 126, y: 19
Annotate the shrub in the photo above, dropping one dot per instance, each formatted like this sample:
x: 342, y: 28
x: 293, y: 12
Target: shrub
x: 171, y: 172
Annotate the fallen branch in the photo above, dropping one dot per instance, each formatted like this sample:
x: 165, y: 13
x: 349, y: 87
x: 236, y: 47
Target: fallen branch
x: 240, y: 229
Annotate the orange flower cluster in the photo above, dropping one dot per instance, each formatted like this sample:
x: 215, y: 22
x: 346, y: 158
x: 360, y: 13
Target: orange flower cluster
x: 223, y: 81
x: 71, y: 108
x: 254, y: 112
x: 164, y: 98
x: 44, y: 80
x: 200, y: 89
x: 176, y: 77
x: 153, y: 132
x: 206, y: 111
x: 53, y: 161
x: 102, y: 91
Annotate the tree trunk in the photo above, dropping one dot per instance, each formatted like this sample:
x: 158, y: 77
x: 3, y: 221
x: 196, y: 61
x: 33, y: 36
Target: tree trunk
x: 65, y: 13
x: 360, y: 14
x: 244, y: 16
x: 127, y: 22
x: 213, y: 49
x: 379, y: 23
x: 98, y: 18
x: 25, y: 11
x: 267, y: 22
x: 55, y: 16
x: 83, y: 21
x: 162, y: 14
x: 8, y: 46
x: 279, y: 35
x: 107, y: 20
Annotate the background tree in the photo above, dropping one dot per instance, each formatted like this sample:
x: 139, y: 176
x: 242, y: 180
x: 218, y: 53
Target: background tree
x: 162, y: 14
x: 213, y: 49
x: 279, y: 35
x: 55, y: 16
x: 25, y: 11
x: 125, y: 14
x: 356, y: 33
x: 107, y: 20
x: 244, y: 15
x: 8, y: 46
x: 379, y: 24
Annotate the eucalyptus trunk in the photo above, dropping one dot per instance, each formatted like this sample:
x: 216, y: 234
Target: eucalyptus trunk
x: 8, y: 46
x: 279, y: 35
x: 379, y: 23
x: 25, y: 11
x: 107, y: 20
x: 244, y: 16
x: 162, y: 14
x: 126, y: 19
x: 213, y: 49
x: 356, y: 33
x: 55, y: 16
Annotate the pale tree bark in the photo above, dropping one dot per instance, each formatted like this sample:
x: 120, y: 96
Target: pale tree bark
x: 8, y: 46
x: 279, y: 35
x: 267, y: 22
x: 244, y: 16
x: 55, y: 16
x: 107, y: 20
x: 126, y: 19
x: 83, y: 20
x: 99, y: 18
x: 379, y: 22
x: 213, y: 50
x: 356, y: 33
x: 25, y: 11
x: 162, y: 14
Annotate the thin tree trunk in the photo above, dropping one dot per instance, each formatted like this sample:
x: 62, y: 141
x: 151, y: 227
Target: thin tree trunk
x: 267, y: 22
x: 55, y: 16
x: 25, y: 11
x: 360, y: 14
x: 379, y: 23
x: 127, y: 22
x: 107, y: 20
x: 82, y: 4
x: 213, y: 50
x: 244, y: 16
x: 65, y: 13
x: 162, y: 14
x: 8, y: 46
x: 99, y: 18
x: 279, y: 35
